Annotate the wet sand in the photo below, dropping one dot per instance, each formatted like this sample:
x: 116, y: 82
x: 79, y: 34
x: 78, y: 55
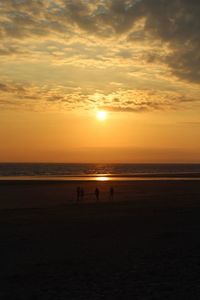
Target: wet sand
x: 144, y: 244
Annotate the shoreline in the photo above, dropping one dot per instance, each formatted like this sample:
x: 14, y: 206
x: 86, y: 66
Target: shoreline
x: 104, y: 178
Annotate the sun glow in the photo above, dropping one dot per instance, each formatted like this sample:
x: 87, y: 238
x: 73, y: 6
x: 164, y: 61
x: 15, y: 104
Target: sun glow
x: 102, y: 178
x: 101, y: 115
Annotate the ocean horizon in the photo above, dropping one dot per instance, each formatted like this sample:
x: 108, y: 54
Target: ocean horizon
x: 100, y: 171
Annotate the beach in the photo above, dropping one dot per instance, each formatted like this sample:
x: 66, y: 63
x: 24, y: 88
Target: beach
x: 142, y: 244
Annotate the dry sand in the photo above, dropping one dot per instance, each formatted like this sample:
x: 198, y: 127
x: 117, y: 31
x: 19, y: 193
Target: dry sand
x: 145, y: 244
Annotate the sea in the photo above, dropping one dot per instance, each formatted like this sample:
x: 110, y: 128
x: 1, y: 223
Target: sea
x: 101, y: 172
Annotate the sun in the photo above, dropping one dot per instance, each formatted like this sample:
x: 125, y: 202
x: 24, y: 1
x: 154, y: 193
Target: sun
x: 101, y: 115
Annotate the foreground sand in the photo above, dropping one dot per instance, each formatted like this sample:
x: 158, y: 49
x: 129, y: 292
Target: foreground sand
x: 143, y: 245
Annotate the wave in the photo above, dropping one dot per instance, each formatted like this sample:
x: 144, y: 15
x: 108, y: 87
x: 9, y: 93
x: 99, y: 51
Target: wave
x: 65, y: 171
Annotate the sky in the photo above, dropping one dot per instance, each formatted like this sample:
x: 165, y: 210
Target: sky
x: 62, y: 61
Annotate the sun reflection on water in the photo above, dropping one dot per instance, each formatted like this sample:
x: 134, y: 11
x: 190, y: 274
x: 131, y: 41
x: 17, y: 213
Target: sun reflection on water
x: 102, y: 178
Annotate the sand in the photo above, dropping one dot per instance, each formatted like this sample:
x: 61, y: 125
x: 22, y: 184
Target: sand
x: 144, y: 244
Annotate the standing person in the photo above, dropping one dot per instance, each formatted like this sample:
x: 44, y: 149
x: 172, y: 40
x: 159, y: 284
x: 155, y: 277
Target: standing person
x: 78, y: 192
x: 96, y: 192
x: 111, y: 193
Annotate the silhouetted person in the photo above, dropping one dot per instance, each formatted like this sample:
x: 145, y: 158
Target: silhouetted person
x: 78, y: 192
x: 111, y: 193
x: 96, y: 193
x: 82, y: 193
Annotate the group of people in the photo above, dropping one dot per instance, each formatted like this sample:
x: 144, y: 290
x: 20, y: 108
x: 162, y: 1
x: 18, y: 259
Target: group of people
x: 81, y: 193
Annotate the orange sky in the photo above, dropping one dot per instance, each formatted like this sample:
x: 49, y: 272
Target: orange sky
x: 62, y: 61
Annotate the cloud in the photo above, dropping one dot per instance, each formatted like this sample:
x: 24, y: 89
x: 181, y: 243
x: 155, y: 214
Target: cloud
x: 65, y: 98
x: 177, y: 23
x: 23, y: 19
x: 150, y: 39
x: 146, y: 100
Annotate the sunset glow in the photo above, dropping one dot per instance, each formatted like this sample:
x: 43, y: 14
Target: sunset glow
x: 101, y: 115
x: 62, y: 60
x: 102, y: 178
